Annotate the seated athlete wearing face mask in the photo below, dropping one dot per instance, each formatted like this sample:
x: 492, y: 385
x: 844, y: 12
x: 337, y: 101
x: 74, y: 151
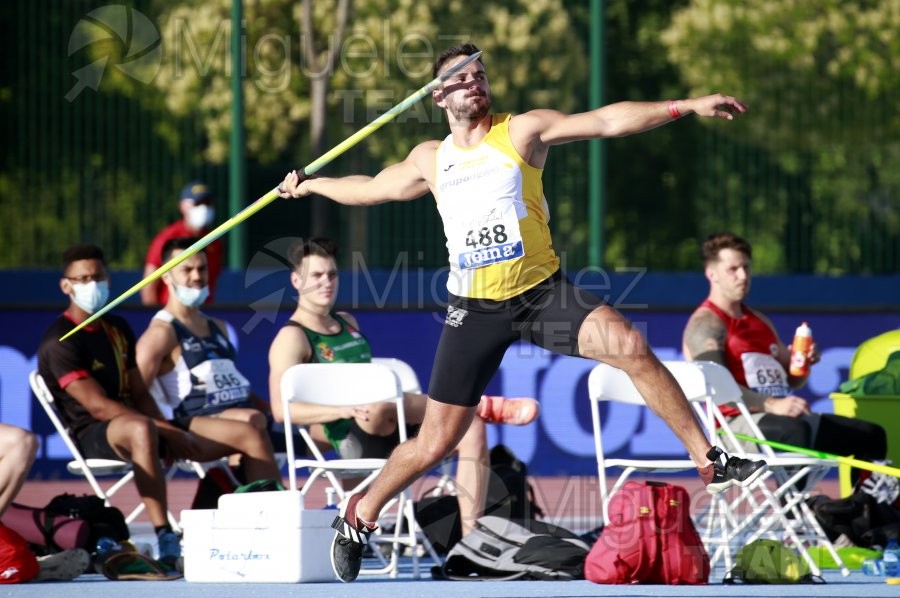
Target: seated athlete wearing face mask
x: 187, y: 361
x: 103, y: 400
x: 197, y: 215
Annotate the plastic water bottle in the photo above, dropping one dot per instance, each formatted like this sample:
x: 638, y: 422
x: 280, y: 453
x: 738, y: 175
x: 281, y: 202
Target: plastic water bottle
x: 803, y: 341
x: 891, y: 559
x: 872, y: 567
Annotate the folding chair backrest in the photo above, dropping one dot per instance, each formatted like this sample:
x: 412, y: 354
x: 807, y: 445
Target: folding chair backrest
x: 606, y: 383
x: 707, y: 385
x: 705, y: 380
x: 409, y: 380
x: 703, y: 383
x: 339, y: 384
x: 336, y: 385
x: 720, y: 389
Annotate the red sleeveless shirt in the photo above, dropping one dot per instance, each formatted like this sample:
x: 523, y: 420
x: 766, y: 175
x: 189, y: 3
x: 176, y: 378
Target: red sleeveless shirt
x: 751, y: 352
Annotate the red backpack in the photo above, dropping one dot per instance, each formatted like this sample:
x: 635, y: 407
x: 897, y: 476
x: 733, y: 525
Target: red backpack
x: 17, y: 563
x: 649, y: 538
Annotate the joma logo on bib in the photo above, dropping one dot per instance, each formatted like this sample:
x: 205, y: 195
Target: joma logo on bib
x: 490, y: 255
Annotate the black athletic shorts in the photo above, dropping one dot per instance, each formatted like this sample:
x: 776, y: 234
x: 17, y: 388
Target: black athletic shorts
x: 477, y: 333
x: 93, y: 443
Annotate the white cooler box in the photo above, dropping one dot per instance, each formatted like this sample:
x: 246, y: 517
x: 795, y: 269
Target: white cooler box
x: 262, y: 537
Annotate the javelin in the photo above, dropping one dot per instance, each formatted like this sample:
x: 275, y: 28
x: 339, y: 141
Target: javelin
x: 876, y: 467
x: 269, y: 197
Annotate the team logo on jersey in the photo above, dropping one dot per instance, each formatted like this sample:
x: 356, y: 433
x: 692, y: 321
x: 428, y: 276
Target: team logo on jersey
x: 773, y: 349
x: 325, y: 352
x: 455, y: 316
x: 97, y: 365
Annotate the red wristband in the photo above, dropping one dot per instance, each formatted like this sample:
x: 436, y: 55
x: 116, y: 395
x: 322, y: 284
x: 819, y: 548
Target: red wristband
x: 673, y: 109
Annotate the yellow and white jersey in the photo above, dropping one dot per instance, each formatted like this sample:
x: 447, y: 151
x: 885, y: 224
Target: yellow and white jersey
x: 495, y: 217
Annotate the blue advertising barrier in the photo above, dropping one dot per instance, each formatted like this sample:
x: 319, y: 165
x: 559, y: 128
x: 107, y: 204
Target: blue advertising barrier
x: 560, y: 443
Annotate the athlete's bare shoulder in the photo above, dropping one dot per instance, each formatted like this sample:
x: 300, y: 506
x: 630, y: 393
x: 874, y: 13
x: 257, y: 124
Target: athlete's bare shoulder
x: 349, y: 318
x: 424, y: 157
x: 426, y: 148
x: 534, y: 122
x: 704, y: 334
x: 290, y: 346
x: 525, y: 131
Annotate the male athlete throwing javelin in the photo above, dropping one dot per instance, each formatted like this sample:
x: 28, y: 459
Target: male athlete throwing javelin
x: 505, y: 284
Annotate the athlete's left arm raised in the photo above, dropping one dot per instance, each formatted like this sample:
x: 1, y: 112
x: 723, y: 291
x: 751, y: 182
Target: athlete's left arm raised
x: 627, y: 118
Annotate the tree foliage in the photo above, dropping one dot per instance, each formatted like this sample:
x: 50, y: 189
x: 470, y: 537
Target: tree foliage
x: 386, y: 55
x: 821, y: 79
x: 811, y: 175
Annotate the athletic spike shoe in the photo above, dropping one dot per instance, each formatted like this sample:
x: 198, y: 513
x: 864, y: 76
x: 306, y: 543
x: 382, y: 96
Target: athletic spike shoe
x: 63, y: 566
x: 349, y: 540
x: 513, y: 412
x: 725, y: 472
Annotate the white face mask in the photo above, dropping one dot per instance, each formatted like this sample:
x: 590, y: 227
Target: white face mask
x: 191, y: 296
x: 200, y: 216
x: 91, y: 296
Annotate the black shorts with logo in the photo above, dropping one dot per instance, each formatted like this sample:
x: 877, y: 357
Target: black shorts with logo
x: 477, y: 333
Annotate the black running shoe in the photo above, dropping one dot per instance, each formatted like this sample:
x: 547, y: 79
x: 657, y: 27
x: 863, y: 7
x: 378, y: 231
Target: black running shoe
x: 725, y: 472
x: 349, y: 541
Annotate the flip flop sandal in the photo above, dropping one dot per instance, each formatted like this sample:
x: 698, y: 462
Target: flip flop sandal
x: 124, y: 566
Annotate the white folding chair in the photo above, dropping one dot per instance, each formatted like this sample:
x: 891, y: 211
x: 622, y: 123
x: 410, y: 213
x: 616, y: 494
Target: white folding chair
x: 780, y: 512
x: 409, y: 380
x: 91, y: 468
x: 88, y: 468
x: 350, y: 384
x: 606, y: 383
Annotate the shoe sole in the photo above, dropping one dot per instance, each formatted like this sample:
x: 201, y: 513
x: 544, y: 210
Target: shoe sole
x: 721, y: 487
x: 337, y: 536
x: 334, y: 569
x: 63, y: 566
